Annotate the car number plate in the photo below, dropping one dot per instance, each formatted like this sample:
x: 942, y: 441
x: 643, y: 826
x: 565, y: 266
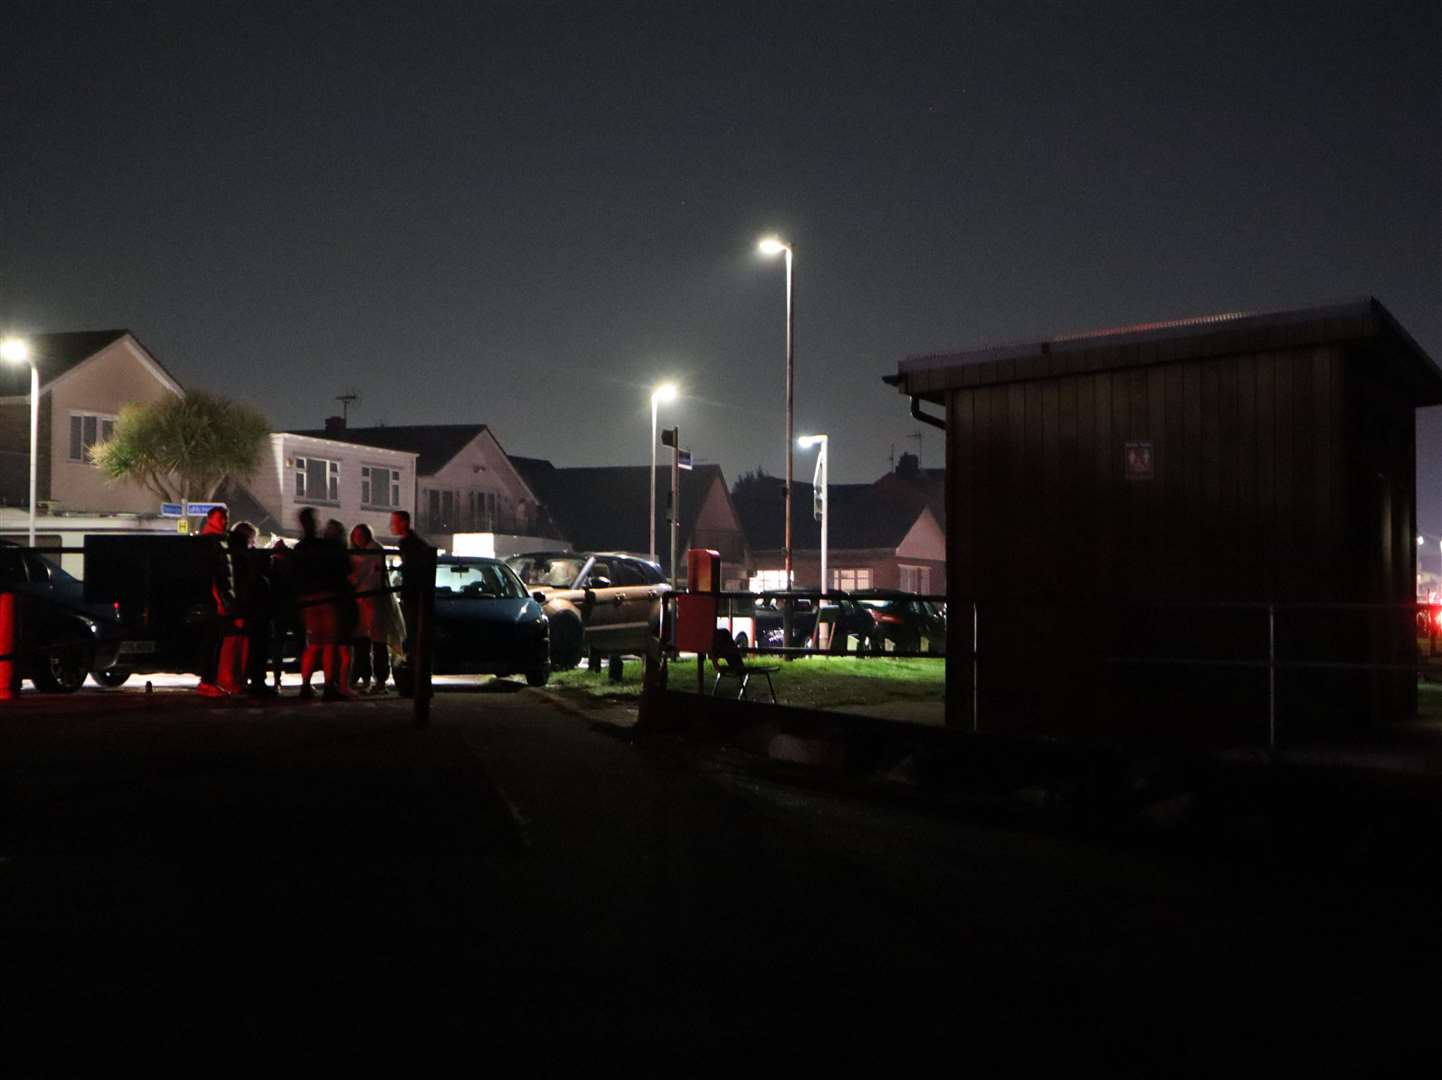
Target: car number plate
x: 132, y: 647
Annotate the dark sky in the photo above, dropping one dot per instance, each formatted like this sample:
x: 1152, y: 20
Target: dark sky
x: 526, y: 213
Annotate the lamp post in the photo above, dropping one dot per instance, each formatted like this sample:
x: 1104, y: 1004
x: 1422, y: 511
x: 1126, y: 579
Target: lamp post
x: 664, y: 392
x: 774, y: 245
x: 17, y: 351
x: 819, y: 482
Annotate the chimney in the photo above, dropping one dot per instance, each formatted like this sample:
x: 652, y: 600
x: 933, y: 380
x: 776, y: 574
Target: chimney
x: 335, y: 425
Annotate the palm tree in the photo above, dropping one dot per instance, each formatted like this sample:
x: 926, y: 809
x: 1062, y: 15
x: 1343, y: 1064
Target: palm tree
x: 184, y: 448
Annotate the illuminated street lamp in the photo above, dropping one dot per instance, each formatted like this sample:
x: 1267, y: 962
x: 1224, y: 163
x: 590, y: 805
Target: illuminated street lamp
x: 17, y: 351
x: 818, y: 481
x: 774, y: 245
x: 664, y: 392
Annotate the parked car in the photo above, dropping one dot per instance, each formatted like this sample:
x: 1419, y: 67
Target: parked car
x: 60, y: 637
x: 758, y: 622
x: 903, y: 622
x: 605, y: 603
x: 486, y: 623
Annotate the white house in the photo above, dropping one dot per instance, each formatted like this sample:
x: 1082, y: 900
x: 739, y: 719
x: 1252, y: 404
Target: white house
x: 351, y: 482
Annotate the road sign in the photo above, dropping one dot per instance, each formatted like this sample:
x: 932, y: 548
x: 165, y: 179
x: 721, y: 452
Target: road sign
x: 201, y: 509
x: 183, y: 525
x: 171, y: 510
x: 683, y: 459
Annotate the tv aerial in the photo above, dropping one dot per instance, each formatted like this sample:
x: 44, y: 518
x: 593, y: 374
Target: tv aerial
x: 347, y: 398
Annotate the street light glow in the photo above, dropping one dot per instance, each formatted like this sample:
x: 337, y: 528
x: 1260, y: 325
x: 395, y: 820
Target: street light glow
x: 772, y: 245
x: 16, y: 350
x: 664, y: 392
x: 806, y: 442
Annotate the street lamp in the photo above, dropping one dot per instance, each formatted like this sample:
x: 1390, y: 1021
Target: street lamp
x: 771, y: 246
x: 17, y: 351
x: 819, y: 482
x: 664, y: 392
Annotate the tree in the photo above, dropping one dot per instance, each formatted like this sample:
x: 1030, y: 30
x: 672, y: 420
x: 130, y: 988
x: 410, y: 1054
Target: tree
x: 184, y: 448
x: 754, y: 484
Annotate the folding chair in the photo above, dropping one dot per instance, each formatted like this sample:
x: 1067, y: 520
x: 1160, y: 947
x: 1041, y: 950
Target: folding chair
x: 728, y: 661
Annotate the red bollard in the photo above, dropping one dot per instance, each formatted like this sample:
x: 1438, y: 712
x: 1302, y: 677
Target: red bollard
x: 9, y: 685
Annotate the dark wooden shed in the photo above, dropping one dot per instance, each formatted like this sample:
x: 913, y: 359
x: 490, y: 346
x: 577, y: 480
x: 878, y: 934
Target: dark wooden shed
x: 1126, y: 503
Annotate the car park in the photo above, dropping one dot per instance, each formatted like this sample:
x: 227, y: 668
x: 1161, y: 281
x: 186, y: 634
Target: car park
x: 758, y: 621
x: 603, y: 604
x: 60, y: 638
x: 486, y: 623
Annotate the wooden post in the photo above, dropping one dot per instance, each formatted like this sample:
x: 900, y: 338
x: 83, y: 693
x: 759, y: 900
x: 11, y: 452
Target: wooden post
x: 425, y: 611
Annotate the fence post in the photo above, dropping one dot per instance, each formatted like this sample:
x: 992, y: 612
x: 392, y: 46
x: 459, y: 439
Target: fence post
x: 975, y: 667
x: 425, y: 610
x: 1271, y: 676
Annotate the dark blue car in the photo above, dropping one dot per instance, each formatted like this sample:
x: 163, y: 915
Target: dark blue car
x: 487, y: 623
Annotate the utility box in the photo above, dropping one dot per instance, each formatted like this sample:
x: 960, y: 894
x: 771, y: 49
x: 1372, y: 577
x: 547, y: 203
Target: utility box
x: 696, y: 608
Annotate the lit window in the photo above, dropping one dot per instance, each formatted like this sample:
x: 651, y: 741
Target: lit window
x: 851, y: 579
x: 768, y: 580
x: 86, y: 430
x: 317, y: 479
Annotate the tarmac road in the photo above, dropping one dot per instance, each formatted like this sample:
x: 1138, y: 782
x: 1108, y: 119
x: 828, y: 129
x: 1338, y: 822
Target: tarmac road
x: 277, y: 883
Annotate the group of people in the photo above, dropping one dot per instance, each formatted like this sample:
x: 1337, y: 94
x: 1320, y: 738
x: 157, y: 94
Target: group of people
x: 335, y: 597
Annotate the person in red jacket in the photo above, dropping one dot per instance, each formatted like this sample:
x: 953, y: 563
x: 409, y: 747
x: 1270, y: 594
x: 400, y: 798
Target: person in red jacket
x: 213, y: 631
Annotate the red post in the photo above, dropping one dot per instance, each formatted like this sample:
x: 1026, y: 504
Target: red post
x: 9, y: 684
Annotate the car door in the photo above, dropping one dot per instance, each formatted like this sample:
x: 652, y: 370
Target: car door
x: 603, y: 609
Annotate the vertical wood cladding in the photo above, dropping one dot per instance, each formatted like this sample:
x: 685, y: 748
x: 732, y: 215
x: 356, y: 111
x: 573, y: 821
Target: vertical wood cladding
x: 1283, y: 475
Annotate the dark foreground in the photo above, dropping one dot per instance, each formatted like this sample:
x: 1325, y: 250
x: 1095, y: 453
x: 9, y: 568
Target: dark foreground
x: 207, y: 889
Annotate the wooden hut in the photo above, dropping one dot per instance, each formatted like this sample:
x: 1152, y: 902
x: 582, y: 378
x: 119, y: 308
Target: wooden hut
x: 1144, y: 516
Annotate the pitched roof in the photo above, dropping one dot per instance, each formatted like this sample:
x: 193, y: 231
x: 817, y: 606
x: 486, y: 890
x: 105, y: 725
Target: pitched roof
x: 53, y: 355
x: 604, y: 508
x: 433, y: 444
x: 862, y: 516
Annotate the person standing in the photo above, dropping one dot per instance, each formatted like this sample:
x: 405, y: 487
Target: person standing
x: 215, y: 629
x: 415, y: 557
x: 376, y: 616
x: 326, y: 605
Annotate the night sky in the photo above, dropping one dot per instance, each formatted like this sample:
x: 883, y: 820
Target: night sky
x: 526, y: 214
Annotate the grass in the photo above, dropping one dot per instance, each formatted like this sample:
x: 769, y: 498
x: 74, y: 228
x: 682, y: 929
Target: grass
x: 816, y: 681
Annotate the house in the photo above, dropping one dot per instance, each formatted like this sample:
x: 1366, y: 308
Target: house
x: 879, y: 536
x: 353, y: 483
x: 605, y: 508
x: 1219, y: 490
x: 465, y: 485
x: 85, y: 378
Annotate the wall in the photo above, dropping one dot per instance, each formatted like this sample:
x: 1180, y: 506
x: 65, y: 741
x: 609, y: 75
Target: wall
x: 114, y: 377
x: 280, y: 482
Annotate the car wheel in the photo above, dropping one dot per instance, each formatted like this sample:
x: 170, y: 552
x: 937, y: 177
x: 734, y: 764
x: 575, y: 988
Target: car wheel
x: 111, y: 678
x: 538, y: 676
x: 565, y: 642
x: 60, y: 672
x: 741, y: 641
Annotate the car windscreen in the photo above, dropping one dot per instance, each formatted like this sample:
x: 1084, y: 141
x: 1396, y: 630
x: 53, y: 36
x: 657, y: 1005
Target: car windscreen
x: 485, y: 580
x: 546, y: 572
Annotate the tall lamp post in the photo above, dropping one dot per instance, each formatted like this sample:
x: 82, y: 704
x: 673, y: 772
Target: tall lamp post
x: 17, y: 351
x: 664, y: 392
x: 774, y: 245
x: 819, y: 482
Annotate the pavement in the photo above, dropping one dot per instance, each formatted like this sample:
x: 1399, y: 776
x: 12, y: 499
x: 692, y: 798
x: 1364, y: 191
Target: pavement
x: 190, y: 886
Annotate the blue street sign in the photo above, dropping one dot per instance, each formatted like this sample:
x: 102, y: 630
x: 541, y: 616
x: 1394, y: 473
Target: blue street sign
x: 171, y: 510
x: 201, y: 509
x: 683, y: 458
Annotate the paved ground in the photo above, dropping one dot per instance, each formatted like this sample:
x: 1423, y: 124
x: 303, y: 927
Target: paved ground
x: 266, y: 884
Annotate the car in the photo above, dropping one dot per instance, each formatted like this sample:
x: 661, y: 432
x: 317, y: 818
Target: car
x: 601, y: 603
x: 903, y: 622
x: 758, y: 622
x: 61, y: 638
x: 486, y: 623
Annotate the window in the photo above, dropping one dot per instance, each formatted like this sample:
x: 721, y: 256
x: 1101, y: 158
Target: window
x: 915, y: 579
x: 87, y: 429
x: 767, y: 580
x: 380, y: 487
x: 851, y: 579
x: 317, y: 479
